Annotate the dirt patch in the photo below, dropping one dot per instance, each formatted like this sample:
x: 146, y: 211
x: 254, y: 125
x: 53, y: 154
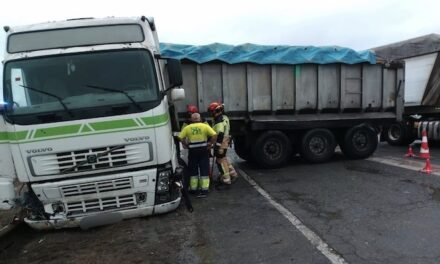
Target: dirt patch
x: 130, y: 241
x: 362, y: 169
x: 313, y: 206
x: 294, y: 196
x: 435, y: 194
x: 408, y: 181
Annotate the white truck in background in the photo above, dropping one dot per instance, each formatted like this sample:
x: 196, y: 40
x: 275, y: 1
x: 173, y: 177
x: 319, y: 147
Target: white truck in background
x: 422, y: 88
x: 86, y: 122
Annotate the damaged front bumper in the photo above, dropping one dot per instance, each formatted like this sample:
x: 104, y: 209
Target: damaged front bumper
x: 102, y: 218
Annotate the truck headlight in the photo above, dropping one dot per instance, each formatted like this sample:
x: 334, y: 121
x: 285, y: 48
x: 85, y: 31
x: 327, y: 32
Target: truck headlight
x: 163, y: 180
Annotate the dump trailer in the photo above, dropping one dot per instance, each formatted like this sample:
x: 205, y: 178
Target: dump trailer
x: 284, y: 100
x: 422, y: 88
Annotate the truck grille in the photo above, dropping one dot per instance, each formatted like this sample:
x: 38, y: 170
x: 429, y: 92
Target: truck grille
x: 97, y: 187
x: 80, y: 160
x: 101, y: 204
x: 90, y: 159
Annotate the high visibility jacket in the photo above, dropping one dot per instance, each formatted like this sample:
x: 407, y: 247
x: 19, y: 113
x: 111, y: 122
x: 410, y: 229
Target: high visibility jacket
x: 222, y: 128
x: 188, y: 121
x: 197, y: 134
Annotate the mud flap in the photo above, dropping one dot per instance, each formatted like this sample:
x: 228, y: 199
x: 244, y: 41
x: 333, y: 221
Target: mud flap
x: 100, y: 220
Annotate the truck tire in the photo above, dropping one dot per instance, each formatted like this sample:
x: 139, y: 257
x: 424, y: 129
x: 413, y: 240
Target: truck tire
x: 398, y: 135
x: 241, y: 148
x: 272, y: 149
x: 359, y: 142
x: 318, y: 145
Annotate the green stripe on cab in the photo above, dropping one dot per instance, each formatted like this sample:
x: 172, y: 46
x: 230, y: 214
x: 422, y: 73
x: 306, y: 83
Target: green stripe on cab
x: 155, y: 120
x: 116, y: 124
x: 57, y: 131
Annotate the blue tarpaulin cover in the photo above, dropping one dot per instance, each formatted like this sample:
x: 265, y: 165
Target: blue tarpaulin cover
x: 262, y: 54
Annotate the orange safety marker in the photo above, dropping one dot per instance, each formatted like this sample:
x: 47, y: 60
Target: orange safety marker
x: 424, y: 149
x: 410, y: 153
x: 427, y: 169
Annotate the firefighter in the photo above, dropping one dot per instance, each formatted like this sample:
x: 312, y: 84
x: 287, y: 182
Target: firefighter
x: 222, y: 127
x: 195, y: 137
x: 190, y: 109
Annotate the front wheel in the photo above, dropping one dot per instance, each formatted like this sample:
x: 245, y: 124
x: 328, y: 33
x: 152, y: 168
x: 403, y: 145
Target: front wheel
x: 398, y: 135
x: 272, y: 149
x: 359, y: 142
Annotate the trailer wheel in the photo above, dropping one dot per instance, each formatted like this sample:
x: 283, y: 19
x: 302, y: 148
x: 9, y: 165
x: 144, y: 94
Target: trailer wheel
x: 398, y: 135
x: 271, y: 149
x: 241, y: 148
x: 359, y: 142
x: 318, y: 145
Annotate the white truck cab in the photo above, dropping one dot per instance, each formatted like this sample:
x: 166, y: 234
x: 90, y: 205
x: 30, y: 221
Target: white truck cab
x: 87, y: 120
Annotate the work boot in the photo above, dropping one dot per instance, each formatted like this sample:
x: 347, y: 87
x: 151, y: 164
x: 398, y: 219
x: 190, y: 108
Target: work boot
x: 234, y: 179
x: 202, y: 195
x: 220, y: 186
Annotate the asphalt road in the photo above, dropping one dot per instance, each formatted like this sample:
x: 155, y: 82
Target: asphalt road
x: 365, y: 211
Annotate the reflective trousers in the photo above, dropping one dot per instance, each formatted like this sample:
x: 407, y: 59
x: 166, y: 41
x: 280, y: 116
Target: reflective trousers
x: 198, y: 167
x: 225, y: 167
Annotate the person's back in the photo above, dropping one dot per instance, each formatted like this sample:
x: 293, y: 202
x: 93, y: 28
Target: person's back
x: 195, y: 137
x: 197, y: 134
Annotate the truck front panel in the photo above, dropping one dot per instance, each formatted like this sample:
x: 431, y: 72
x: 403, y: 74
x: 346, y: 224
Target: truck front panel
x: 87, y: 121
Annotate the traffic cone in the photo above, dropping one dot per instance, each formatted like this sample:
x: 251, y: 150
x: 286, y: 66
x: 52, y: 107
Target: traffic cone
x: 424, y: 149
x: 410, y: 153
x: 427, y: 169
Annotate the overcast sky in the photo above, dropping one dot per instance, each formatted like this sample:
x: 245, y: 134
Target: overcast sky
x: 355, y: 24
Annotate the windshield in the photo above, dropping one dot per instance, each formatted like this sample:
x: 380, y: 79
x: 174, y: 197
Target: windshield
x: 61, y: 88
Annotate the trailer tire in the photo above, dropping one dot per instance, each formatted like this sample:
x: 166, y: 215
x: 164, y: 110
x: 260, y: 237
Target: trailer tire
x: 318, y: 145
x: 359, y: 142
x: 272, y: 149
x: 241, y: 148
x: 398, y: 135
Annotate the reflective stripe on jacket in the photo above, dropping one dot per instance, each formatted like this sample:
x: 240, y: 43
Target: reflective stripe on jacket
x: 222, y: 128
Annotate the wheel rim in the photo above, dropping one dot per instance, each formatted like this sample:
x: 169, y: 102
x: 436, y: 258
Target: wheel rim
x: 360, y: 140
x: 318, y: 145
x: 394, y: 132
x: 273, y: 149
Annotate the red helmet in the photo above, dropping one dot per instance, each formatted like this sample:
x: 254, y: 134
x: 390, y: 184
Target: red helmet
x: 215, y: 107
x: 192, y: 109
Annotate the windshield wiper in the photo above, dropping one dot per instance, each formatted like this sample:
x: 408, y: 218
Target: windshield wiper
x: 51, y: 95
x: 116, y: 91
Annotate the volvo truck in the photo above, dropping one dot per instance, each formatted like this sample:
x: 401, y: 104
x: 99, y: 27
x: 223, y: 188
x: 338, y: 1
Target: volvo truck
x: 87, y: 121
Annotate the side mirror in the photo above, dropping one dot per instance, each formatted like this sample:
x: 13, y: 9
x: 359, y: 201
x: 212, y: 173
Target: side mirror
x: 177, y: 94
x: 174, y: 73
